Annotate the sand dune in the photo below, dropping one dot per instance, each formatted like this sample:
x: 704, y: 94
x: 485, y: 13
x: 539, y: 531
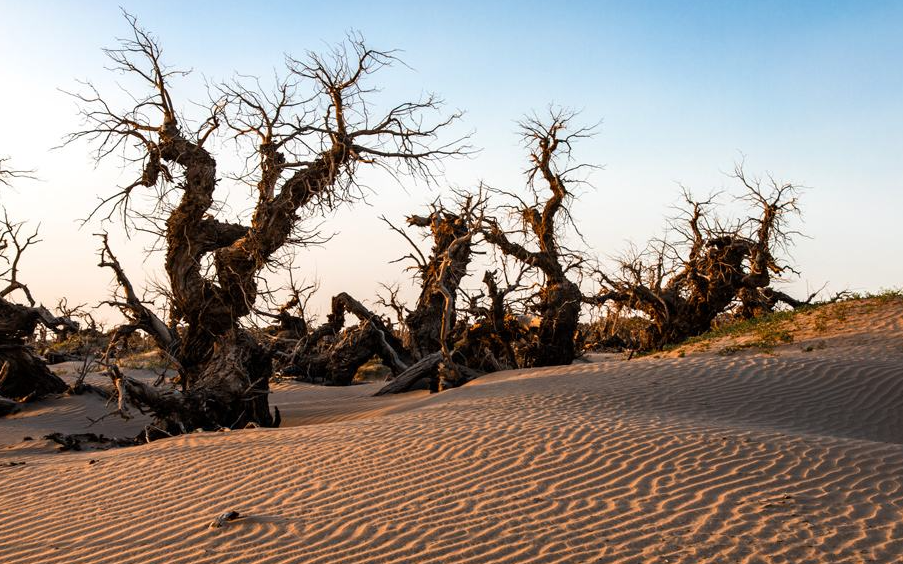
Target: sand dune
x: 751, y: 458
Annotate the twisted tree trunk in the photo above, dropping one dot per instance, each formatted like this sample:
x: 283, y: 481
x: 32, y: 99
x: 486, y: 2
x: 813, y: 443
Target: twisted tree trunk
x: 559, y: 309
x: 440, y: 277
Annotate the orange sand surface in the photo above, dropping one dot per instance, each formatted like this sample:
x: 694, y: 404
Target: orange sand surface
x: 792, y: 455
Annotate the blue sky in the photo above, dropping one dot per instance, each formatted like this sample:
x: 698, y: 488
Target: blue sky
x: 810, y: 91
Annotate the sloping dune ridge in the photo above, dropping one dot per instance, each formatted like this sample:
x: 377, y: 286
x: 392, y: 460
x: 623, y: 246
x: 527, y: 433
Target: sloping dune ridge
x: 790, y: 455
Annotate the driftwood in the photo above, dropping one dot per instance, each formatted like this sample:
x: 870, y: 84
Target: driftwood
x: 24, y: 376
x: 332, y: 354
x: 91, y: 441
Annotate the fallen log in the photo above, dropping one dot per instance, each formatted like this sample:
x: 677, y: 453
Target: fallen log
x: 424, y: 368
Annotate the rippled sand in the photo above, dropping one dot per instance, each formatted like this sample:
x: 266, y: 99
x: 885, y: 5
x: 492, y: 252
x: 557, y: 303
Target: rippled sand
x: 750, y: 458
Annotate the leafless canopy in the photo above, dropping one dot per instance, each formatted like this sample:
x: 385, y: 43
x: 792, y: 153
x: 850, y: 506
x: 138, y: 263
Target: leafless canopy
x: 16, y: 243
x: 7, y: 174
x: 708, y: 265
x: 551, y: 177
x: 537, y: 243
x: 303, y: 141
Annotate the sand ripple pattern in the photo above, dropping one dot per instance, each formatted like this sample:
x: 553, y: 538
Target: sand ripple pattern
x: 749, y: 459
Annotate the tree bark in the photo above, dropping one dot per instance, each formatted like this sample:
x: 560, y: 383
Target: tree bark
x: 560, y: 299
x: 24, y: 376
x: 440, y: 275
x: 559, y: 308
x: 231, y: 392
x: 303, y: 161
x: 424, y: 368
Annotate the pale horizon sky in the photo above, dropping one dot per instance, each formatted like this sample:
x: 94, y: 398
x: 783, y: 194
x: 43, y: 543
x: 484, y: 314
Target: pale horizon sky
x: 809, y: 91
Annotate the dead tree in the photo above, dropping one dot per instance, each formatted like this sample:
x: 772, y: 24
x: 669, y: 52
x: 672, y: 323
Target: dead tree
x: 8, y: 174
x: 391, y: 302
x: 777, y: 203
x: 440, y: 273
x: 24, y: 375
x: 306, y: 139
x: 710, y: 267
x: 89, y: 341
x: 429, y: 326
x: 332, y: 353
x: 139, y: 317
x: 495, y: 338
x: 559, y: 300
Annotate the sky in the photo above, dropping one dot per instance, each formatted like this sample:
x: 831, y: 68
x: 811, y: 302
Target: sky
x: 811, y: 92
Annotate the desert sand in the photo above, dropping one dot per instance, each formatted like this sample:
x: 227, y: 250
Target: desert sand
x: 786, y: 455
